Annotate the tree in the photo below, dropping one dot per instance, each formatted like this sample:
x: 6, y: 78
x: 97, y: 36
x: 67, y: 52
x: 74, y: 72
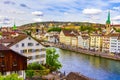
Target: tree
x: 54, y: 29
x: 10, y: 77
x: 52, y: 59
x: 29, y: 73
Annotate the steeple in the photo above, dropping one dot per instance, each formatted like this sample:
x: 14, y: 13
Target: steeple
x: 14, y: 26
x: 108, y: 18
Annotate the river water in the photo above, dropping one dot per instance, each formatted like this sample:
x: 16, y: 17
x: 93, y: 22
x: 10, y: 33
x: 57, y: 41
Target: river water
x: 93, y: 67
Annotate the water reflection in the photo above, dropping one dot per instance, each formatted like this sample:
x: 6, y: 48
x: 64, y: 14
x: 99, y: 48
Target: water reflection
x: 94, y: 67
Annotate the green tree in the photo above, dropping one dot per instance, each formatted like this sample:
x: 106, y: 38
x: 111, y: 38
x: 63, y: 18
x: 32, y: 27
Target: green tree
x: 54, y: 29
x: 52, y: 59
x: 10, y: 77
x: 29, y: 73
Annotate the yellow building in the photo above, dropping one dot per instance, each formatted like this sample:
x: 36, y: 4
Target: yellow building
x: 69, y: 37
x: 106, y: 43
x: 96, y: 42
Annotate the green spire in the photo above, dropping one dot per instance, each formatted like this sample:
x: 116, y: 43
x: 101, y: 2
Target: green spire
x: 14, y: 27
x: 108, y: 18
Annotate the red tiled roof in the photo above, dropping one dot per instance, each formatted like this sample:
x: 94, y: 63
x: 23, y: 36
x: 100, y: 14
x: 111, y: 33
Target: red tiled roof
x: 18, y: 39
x: 117, y: 25
x: 70, y: 33
x: 6, y: 40
x: 76, y: 76
x: 2, y: 47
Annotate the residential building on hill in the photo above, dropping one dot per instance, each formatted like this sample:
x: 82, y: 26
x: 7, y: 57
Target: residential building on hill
x: 12, y: 62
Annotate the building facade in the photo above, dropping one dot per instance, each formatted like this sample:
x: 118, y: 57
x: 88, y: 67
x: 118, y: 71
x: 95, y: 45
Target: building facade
x: 12, y: 62
x: 29, y: 47
x: 115, y: 43
x: 69, y: 37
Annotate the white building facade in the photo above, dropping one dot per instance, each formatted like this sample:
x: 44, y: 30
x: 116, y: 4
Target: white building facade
x: 31, y: 49
x: 114, y: 44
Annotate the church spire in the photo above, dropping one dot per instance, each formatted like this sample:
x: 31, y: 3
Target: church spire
x: 108, y: 18
x: 14, y: 26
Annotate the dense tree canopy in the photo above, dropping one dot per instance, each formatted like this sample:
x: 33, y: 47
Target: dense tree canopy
x: 54, y: 29
x: 52, y: 59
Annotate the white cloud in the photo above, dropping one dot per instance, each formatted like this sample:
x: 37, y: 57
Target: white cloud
x: 117, y: 18
x: 37, y: 19
x: 116, y: 8
x: 91, y: 11
x: 37, y: 13
x: 114, y: 1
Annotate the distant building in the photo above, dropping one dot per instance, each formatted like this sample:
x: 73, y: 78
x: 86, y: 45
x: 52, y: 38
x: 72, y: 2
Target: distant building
x: 69, y: 37
x: 115, y: 43
x: 106, y: 44
x: 12, y: 62
x: 96, y: 42
x: 29, y: 47
x: 83, y: 41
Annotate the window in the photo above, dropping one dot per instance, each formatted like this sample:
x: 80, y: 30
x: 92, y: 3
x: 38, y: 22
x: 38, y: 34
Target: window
x: 30, y: 50
x: 30, y: 44
x: 37, y: 56
x: 42, y: 56
x: 30, y: 57
x: 23, y: 45
x: 15, y: 63
x: 1, y: 55
x: 24, y: 51
x: 37, y: 44
x: 3, y: 64
x: 17, y: 45
x: 29, y: 38
x: 37, y: 50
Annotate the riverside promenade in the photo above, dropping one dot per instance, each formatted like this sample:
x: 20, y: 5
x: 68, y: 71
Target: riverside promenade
x: 83, y: 51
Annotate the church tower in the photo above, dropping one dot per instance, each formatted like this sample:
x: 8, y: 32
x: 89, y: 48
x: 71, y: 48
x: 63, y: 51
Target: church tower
x: 14, y: 27
x: 108, y: 22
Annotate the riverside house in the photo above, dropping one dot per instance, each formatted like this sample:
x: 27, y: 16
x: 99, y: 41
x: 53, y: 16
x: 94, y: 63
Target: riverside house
x: 69, y: 37
x: 83, y: 41
x: 115, y: 43
x: 96, y: 42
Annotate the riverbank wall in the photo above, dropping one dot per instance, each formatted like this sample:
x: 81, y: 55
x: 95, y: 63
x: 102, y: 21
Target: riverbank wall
x: 83, y: 51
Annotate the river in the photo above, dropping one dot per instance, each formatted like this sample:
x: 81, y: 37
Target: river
x: 90, y: 66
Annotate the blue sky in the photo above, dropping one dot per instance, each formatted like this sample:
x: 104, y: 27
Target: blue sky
x: 27, y: 11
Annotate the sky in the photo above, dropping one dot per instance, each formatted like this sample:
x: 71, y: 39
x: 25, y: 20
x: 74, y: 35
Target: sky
x: 28, y: 11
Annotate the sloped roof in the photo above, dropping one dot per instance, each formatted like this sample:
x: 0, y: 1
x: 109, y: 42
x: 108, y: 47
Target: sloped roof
x: 76, y: 76
x: 70, y: 33
x: 6, y: 40
x: 2, y: 47
x: 18, y: 39
x: 85, y: 37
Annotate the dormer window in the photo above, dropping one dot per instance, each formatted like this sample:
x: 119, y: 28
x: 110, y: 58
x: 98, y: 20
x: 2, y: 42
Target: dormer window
x: 1, y: 55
